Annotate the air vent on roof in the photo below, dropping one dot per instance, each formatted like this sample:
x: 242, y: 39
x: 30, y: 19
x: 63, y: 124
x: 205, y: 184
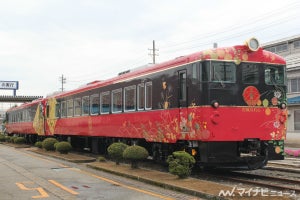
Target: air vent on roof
x: 124, y: 72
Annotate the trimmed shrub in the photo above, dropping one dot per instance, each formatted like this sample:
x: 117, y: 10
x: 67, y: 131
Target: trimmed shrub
x: 19, y: 140
x: 135, y: 154
x: 48, y: 144
x: 39, y: 144
x: 101, y: 159
x: 115, y: 151
x: 2, y: 138
x: 181, y: 163
x: 7, y: 138
x: 63, y: 147
x: 12, y: 139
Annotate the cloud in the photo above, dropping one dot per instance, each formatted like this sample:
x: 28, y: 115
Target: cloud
x: 88, y: 40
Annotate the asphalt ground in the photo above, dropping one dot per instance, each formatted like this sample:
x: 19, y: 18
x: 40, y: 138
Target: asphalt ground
x: 196, y: 187
x: 192, y: 186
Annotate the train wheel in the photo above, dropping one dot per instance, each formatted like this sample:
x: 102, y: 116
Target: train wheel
x: 258, y: 163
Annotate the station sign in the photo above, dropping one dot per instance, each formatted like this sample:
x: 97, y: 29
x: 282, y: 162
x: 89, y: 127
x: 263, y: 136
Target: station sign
x: 9, y: 85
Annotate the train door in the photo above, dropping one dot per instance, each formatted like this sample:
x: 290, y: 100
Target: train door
x: 182, y: 98
x: 39, y: 119
x: 51, y: 112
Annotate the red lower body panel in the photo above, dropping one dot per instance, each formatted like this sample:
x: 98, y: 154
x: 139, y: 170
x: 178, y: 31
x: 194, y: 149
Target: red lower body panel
x: 195, y: 123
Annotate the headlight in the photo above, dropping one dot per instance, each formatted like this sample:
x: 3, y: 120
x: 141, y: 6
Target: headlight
x: 253, y: 44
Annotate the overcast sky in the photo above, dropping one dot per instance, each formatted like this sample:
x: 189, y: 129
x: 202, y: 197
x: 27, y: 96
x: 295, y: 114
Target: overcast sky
x: 87, y: 40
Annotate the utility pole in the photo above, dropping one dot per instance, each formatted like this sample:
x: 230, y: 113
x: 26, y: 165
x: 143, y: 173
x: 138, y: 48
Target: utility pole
x: 62, y: 79
x: 153, y: 54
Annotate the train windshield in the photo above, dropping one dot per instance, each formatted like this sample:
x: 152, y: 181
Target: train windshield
x: 223, y: 72
x: 274, y: 75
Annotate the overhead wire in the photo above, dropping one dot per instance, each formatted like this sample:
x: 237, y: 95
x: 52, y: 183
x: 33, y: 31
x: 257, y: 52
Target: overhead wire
x: 294, y: 5
x: 236, y: 30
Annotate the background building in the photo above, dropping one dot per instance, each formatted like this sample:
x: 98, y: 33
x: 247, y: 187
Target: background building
x: 289, y: 48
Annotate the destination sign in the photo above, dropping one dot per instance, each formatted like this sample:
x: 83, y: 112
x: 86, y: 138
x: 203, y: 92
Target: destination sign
x: 9, y: 85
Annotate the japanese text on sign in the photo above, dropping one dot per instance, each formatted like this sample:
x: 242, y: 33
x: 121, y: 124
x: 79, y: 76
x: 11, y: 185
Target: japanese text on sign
x: 9, y: 85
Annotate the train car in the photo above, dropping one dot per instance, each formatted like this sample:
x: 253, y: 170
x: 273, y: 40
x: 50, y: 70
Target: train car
x: 20, y: 119
x: 226, y: 106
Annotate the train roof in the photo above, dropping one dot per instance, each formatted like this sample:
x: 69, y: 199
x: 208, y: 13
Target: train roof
x: 237, y: 54
x: 26, y: 105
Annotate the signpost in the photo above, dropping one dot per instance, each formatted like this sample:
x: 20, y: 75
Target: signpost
x: 9, y: 85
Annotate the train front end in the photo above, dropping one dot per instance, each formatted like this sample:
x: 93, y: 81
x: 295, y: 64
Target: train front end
x: 244, y: 120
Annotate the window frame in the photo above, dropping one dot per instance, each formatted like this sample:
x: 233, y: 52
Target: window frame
x: 92, y: 97
x: 126, y: 89
x: 255, y: 73
x: 141, y: 96
x: 63, y: 109
x: 147, y: 97
x: 83, y: 100
x: 107, y: 93
x: 276, y: 69
x: 113, y: 93
x: 215, y: 72
x: 70, y: 107
x: 77, y: 100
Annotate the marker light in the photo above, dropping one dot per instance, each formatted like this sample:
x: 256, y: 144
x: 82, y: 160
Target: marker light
x: 282, y: 106
x: 215, y: 104
x: 253, y: 44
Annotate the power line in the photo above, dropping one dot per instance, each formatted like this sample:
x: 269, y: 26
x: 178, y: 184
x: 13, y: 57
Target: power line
x: 278, y: 17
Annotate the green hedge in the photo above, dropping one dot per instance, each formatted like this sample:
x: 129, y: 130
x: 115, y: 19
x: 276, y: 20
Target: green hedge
x: 48, y: 144
x: 19, y: 140
x: 63, y: 147
x: 135, y: 154
x: 115, y: 151
x: 2, y: 138
x: 38, y: 144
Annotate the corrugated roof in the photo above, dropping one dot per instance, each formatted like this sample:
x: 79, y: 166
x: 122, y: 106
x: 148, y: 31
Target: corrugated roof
x: 282, y: 40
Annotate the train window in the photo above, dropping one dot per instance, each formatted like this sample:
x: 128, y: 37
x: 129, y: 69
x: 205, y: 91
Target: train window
x: 77, y: 107
x: 223, y: 72
x: 63, y: 109
x: 141, y: 96
x: 148, y: 94
x: 105, y: 102
x: 274, y: 75
x: 250, y: 73
x: 204, y: 71
x: 182, y: 85
x: 57, y: 110
x: 194, y: 73
x: 130, y: 98
x: 116, y: 100
x: 95, y: 103
x: 70, y: 108
x: 85, y: 105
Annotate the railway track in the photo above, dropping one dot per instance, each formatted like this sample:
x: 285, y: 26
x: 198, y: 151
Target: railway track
x: 263, y: 184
